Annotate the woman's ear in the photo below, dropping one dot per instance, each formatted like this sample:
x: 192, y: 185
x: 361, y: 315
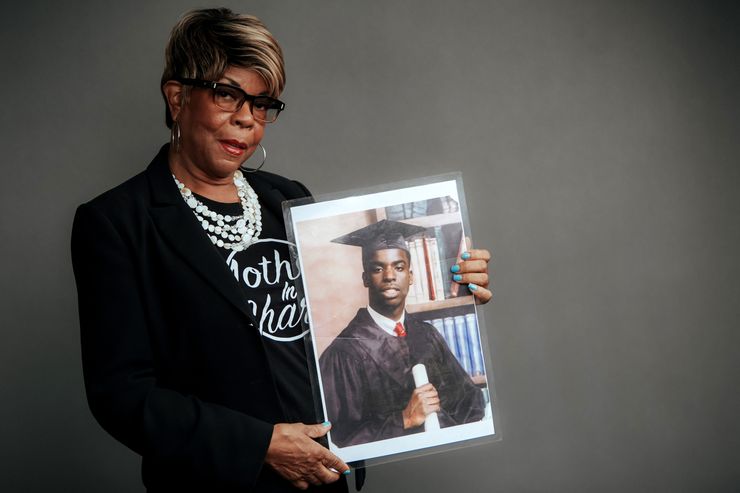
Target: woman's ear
x: 174, y: 93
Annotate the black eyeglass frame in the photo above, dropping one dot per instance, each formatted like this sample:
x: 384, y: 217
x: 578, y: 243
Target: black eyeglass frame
x: 275, y: 104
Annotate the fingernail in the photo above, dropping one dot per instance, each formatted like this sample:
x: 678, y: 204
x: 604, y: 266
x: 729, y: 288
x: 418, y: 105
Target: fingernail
x: 465, y: 255
x: 347, y: 472
x: 455, y: 268
x: 472, y: 287
x: 326, y: 423
x: 457, y: 277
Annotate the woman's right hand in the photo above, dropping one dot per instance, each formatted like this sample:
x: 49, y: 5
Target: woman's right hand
x: 297, y: 457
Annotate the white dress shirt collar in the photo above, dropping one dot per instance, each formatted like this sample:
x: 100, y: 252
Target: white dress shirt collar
x: 386, y: 323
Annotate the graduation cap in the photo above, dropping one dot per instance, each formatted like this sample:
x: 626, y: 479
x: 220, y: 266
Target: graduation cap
x: 381, y: 236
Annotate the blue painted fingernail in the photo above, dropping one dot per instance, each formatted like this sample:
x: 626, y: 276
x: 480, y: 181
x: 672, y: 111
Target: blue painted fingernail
x: 465, y: 255
x: 457, y: 277
x: 455, y: 268
x: 326, y: 423
x: 347, y: 472
x: 472, y: 287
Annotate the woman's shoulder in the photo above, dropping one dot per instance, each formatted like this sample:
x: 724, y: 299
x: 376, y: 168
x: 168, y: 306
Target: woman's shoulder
x: 120, y: 208
x: 135, y: 192
x: 124, y: 195
x: 129, y: 201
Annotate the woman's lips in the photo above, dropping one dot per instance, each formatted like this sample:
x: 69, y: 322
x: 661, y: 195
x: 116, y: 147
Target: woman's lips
x: 233, y: 147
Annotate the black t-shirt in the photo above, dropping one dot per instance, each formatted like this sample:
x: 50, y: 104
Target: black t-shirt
x: 267, y: 278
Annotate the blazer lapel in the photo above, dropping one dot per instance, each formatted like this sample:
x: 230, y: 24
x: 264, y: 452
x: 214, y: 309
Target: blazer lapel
x: 179, y: 227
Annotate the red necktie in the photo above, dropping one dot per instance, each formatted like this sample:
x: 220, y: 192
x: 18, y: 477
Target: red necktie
x: 399, y: 330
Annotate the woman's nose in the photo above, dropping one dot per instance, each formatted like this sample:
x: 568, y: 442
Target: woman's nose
x: 244, y: 117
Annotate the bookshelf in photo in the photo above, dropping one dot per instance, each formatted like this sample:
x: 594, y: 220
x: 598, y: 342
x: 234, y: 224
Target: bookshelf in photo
x: 459, y: 328
x: 443, y: 303
x: 433, y: 255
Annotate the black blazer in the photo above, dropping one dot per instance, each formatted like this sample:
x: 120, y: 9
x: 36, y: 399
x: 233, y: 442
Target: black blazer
x: 174, y: 365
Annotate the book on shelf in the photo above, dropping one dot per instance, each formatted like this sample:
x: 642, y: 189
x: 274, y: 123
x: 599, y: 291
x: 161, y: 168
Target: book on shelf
x: 419, y: 208
x: 435, y: 269
x: 431, y: 260
x: 455, y: 288
x: 422, y: 208
x: 445, y: 258
x: 462, y: 336
x: 476, y: 353
x: 395, y: 212
x: 463, y: 345
x: 449, y: 325
x: 421, y: 275
x: 415, y: 294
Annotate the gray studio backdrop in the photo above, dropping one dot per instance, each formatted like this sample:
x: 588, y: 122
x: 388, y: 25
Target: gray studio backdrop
x: 599, y: 146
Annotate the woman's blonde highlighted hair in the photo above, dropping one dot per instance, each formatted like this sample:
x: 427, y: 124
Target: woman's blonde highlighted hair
x: 205, y: 42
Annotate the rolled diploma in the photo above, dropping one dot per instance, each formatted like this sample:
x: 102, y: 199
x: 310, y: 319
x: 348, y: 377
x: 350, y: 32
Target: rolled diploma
x: 420, y: 378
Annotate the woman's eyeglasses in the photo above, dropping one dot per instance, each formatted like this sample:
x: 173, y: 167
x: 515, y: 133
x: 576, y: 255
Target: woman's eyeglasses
x: 231, y: 98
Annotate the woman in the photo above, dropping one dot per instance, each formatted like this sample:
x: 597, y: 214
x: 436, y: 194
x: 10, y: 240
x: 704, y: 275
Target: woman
x: 179, y: 273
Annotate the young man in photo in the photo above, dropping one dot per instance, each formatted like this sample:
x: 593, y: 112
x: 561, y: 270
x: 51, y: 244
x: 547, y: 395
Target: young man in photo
x: 366, y: 371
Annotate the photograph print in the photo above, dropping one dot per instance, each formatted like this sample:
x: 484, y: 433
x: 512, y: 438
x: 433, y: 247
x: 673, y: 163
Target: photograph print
x: 399, y: 359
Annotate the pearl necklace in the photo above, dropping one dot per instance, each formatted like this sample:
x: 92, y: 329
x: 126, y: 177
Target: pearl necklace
x: 231, y: 233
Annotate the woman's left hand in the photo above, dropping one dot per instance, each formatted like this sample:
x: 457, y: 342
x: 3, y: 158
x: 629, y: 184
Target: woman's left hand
x: 472, y: 270
x: 295, y: 455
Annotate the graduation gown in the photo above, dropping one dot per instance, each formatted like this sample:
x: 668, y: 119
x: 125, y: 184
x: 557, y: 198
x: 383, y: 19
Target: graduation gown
x: 367, y: 380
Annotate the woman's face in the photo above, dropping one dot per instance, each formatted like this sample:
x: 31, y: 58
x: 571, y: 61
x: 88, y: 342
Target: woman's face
x: 215, y: 141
